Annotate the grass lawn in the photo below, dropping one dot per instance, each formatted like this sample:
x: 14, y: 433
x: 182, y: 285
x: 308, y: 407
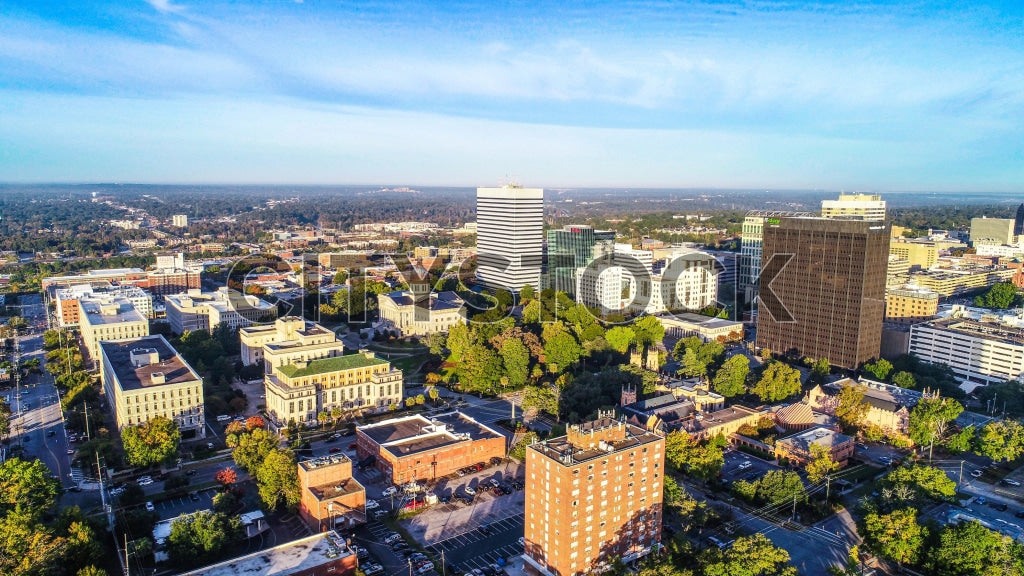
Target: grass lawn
x: 410, y: 363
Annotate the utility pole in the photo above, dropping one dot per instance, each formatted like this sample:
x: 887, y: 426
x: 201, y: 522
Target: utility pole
x: 442, y: 562
x: 85, y: 410
x: 961, y: 478
x: 793, y: 516
x: 127, y: 570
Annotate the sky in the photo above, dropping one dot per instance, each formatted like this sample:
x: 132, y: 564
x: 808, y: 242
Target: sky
x: 853, y: 95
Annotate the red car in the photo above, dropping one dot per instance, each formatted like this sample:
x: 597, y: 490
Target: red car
x: 335, y: 450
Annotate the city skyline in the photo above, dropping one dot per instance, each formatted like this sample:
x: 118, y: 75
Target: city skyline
x: 872, y: 97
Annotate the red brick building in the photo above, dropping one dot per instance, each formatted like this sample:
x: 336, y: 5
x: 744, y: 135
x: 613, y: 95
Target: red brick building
x: 417, y: 448
x: 591, y: 496
x: 330, y: 498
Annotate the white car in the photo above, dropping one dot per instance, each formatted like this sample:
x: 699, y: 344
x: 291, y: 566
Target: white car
x: 145, y: 481
x: 469, y: 490
x: 745, y: 464
x: 390, y: 491
x: 976, y: 473
x: 150, y: 507
x: 522, y: 541
x: 372, y: 505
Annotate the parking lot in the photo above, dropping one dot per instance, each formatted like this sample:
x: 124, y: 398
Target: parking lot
x: 475, y: 549
x: 174, y: 507
x: 736, y: 469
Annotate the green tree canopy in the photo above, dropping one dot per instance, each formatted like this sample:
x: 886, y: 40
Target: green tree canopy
x: 27, y: 486
x: 778, y: 382
x: 896, y: 536
x: 778, y: 486
x: 648, y: 330
x: 202, y: 537
x: 620, y: 338
x: 702, y: 460
x: 1001, y: 440
x: 731, y: 379
x: 999, y: 297
x: 916, y: 485
x: 968, y: 548
x: 753, y: 555
x: 560, y: 346
x: 880, y: 368
x: 515, y: 358
x: 250, y: 448
x: 151, y: 442
x: 850, y: 406
x: 820, y: 370
x: 821, y: 464
x: 278, y: 479
x: 929, y: 418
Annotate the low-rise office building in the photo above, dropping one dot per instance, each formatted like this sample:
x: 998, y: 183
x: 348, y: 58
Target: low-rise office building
x: 797, y: 448
x: 69, y: 312
x: 417, y: 448
x: 196, y: 310
x: 355, y: 383
x: 910, y: 305
x: 707, y: 328
x: 329, y: 496
x: 108, y: 318
x: 146, y: 377
x: 420, y: 316
x: 951, y: 282
x: 322, y: 554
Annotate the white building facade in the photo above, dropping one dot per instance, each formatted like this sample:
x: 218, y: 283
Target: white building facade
x: 510, y: 237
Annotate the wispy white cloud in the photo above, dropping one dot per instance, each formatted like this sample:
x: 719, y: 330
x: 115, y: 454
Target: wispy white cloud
x: 165, y: 6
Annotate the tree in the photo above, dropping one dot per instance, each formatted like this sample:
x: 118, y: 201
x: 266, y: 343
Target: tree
x: 278, y: 479
x: 151, y: 442
x: 961, y: 441
x: 224, y: 502
x: 896, y: 536
x: 515, y: 357
x: 561, y: 349
x: 730, y: 380
x: 691, y: 366
x: 435, y: 342
x: 26, y: 486
x: 340, y: 277
x: 821, y: 464
x: 820, y: 370
x: 323, y: 417
x: 850, y: 406
x: 251, y: 448
x: 201, y: 537
x: 82, y: 548
x: 928, y: 419
x: 648, y: 330
x: 226, y: 477
x: 852, y: 566
x: 5, y: 418
x: 480, y: 369
x: 254, y: 422
x: 703, y: 461
x: 28, y: 548
x: 543, y: 396
x: 904, y: 379
x: 1001, y: 440
x: 879, y: 368
x: 920, y: 483
x: 753, y: 555
x: 527, y: 293
x: 968, y: 548
x: 999, y: 297
x: 433, y: 394
x: 91, y: 571
x: 778, y: 382
x: 458, y: 342
x: 620, y: 338
x: 778, y: 486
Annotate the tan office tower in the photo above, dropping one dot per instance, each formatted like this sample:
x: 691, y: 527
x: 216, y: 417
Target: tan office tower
x: 591, y: 496
x: 509, y: 237
x: 822, y: 289
x: 854, y: 206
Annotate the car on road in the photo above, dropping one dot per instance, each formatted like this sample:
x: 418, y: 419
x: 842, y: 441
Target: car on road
x: 976, y: 473
x: 1019, y: 514
x: 145, y: 481
x: 372, y: 505
x: 979, y: 500
x: 117, y: 491
x: 469, y: 490
x: 522, y: 541
x: 70, y: 451
x: 1010, y: 482
x: 190, y: 472
x: 390, y: 491
x: 334, y: 450
x: 745, y: 464
x: 150, y: 507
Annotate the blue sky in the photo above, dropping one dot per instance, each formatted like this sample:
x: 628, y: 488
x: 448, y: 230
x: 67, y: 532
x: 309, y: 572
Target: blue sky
x: 868, y: 95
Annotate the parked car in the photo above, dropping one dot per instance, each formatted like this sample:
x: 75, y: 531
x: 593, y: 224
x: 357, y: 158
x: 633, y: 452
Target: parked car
x: 486, y: 529
x: 193, y: 496
x: 390, y: 491
x: 378, y: 514
x: 469, y: 490
x: 372, y: 505
x: 976, y: 473
x: 334, y: 450
x: 522, y: 541
x: 392, y: 538
x: 150, y: 507
x: 745, y: 464
x: 145, y: 481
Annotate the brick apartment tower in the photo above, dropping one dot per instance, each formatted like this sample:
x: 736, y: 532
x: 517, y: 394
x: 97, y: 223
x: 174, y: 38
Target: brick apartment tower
x: 823, y: 296
x: 591, y: 496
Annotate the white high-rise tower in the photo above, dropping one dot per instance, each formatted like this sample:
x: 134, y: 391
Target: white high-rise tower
x: 510, y: 236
